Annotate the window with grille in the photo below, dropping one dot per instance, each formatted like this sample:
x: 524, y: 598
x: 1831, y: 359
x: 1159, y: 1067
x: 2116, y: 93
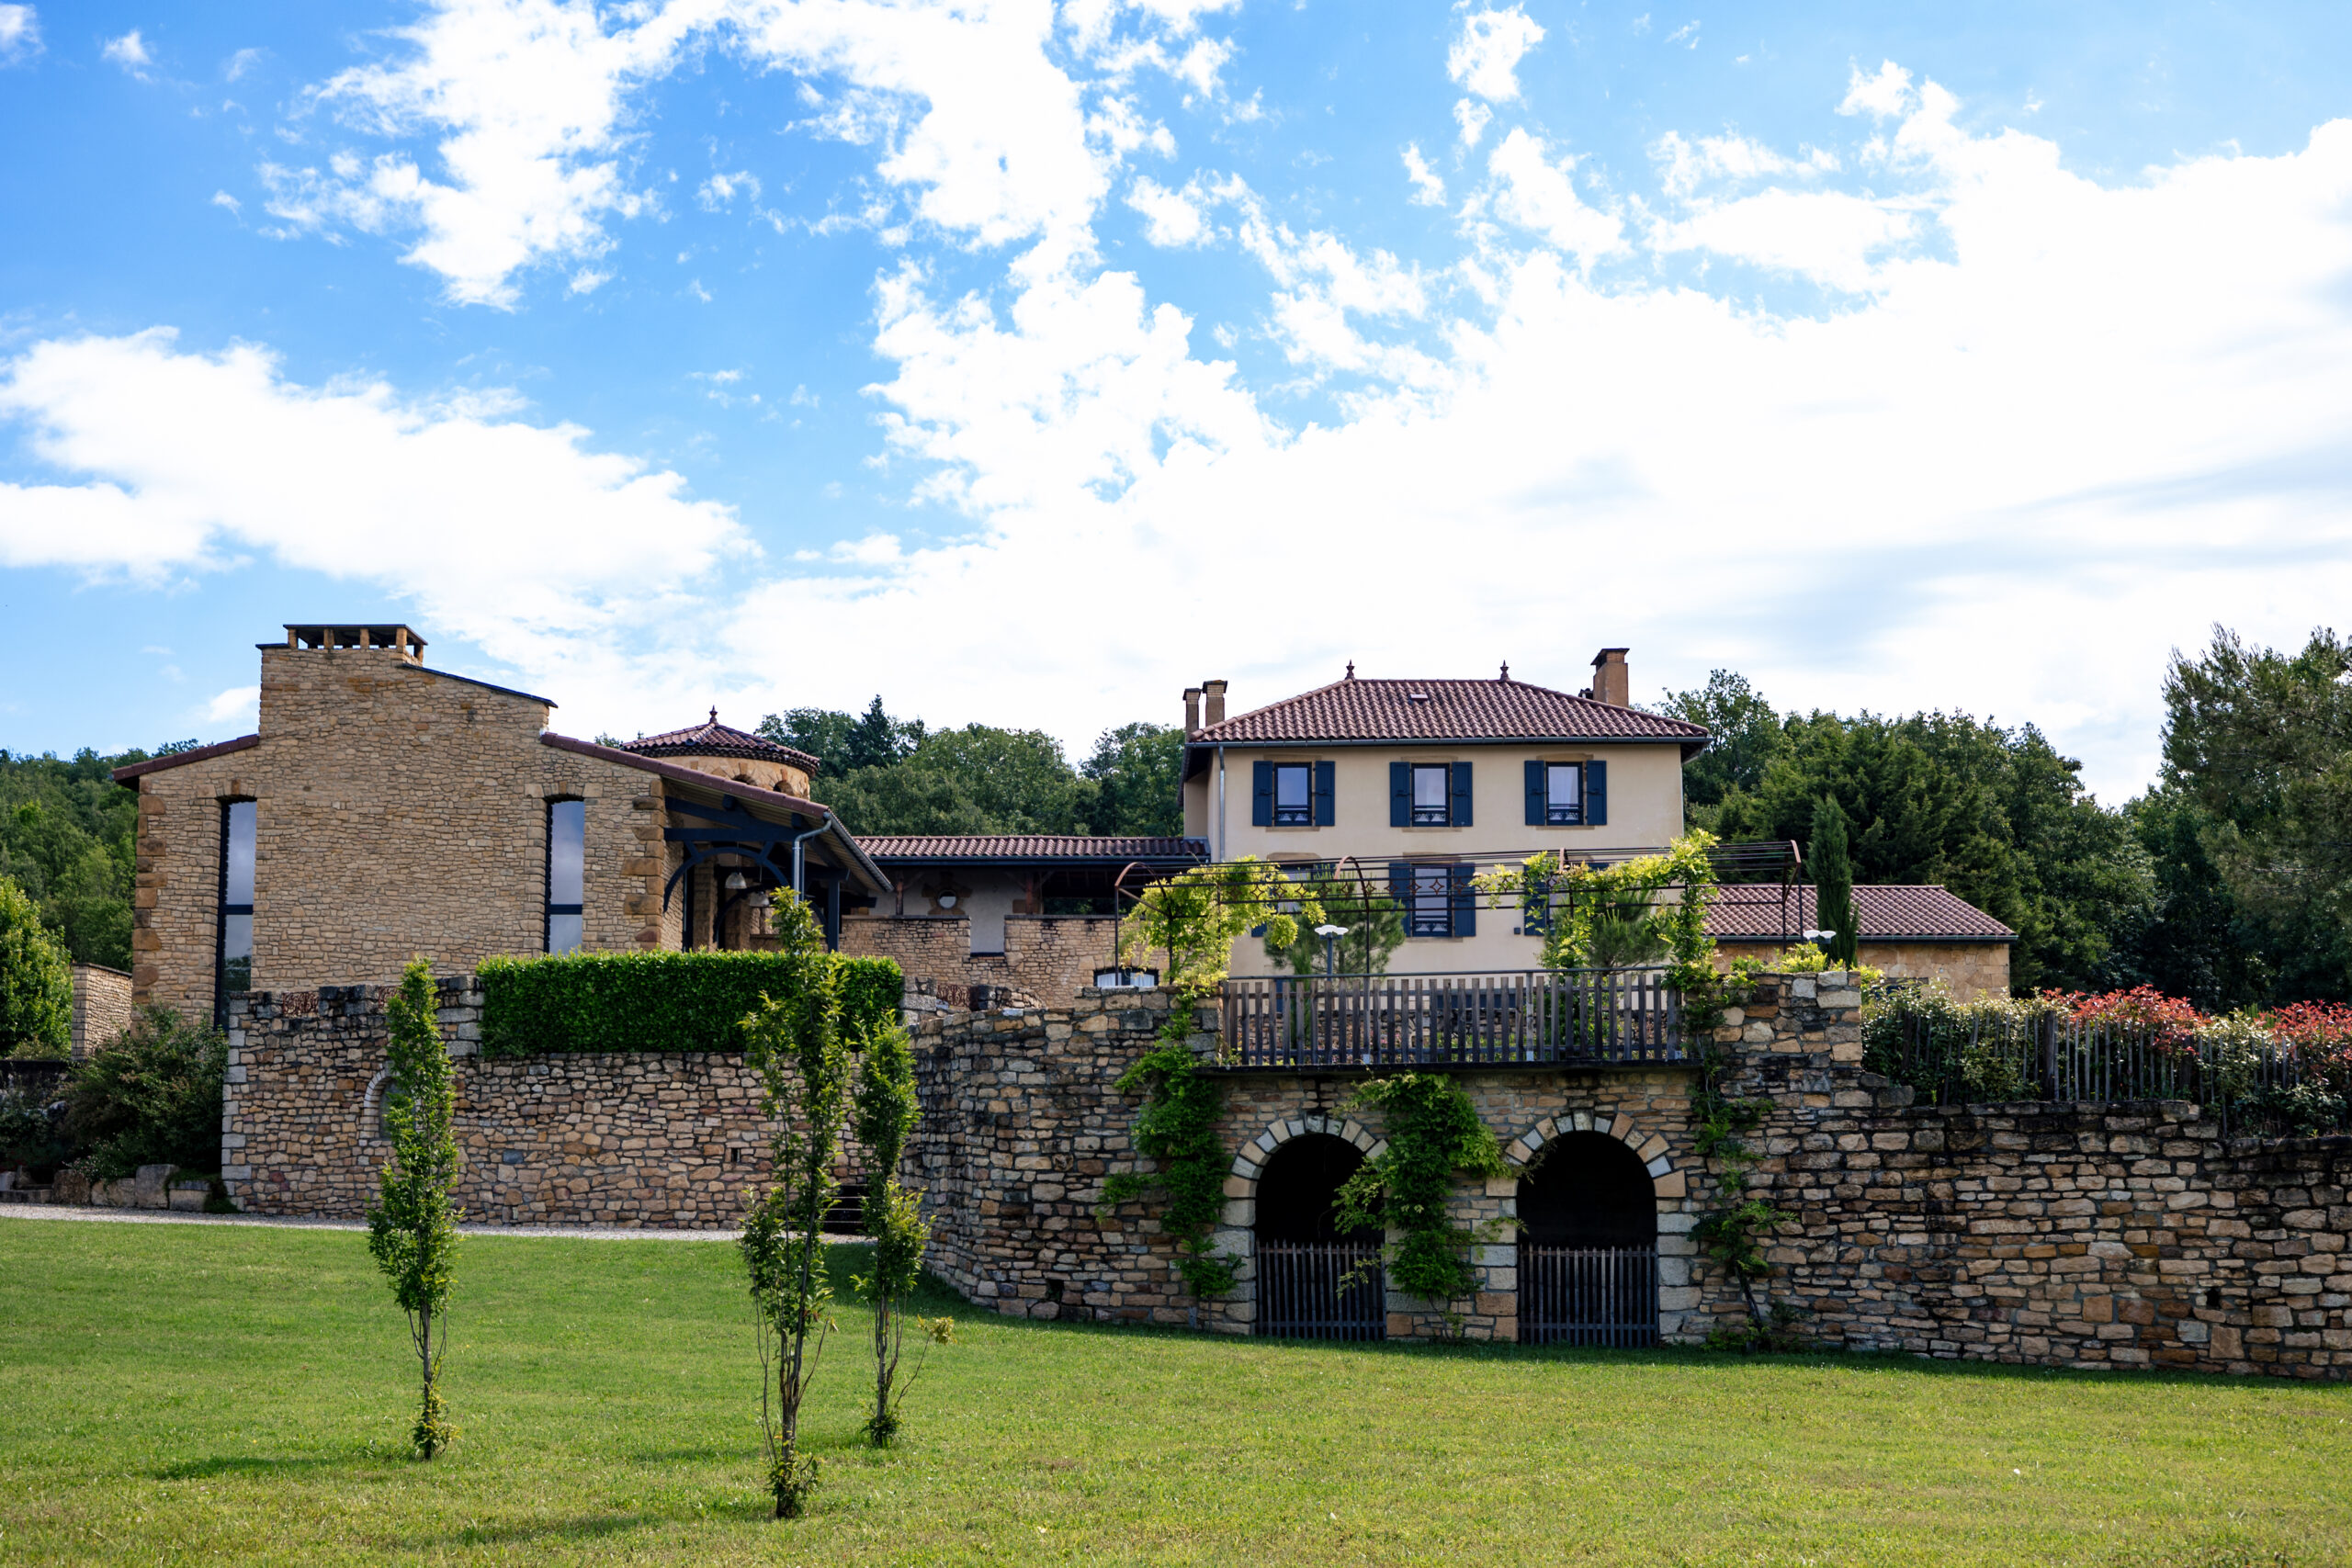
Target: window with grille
x: 1294, y: 796
x: 1564, y: 794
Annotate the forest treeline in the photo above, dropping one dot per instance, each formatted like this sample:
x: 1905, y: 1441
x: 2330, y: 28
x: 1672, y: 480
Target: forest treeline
x: 2229, y: 882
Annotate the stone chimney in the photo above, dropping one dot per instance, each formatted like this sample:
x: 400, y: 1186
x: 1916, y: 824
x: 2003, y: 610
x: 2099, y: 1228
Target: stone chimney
x: 1192, y: 711
x: 1214, y: 692
x: 1612, y: 681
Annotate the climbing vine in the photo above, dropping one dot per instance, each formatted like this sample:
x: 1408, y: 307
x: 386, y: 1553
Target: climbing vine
x: 1195, y: 916
x: 1732, y: 1236
x: 1433, y: 1135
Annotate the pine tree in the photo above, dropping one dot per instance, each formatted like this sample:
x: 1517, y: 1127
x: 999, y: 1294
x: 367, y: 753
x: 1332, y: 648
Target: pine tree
x: 1833, y: 878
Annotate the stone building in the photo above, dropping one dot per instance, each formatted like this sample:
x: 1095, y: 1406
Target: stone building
x: 385, y: 810
x: 1906, y: 932
x: 1031, y: 916
x: 101, y: 1006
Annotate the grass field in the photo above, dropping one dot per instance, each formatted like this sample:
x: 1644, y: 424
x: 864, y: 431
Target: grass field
x: 175, y: 1393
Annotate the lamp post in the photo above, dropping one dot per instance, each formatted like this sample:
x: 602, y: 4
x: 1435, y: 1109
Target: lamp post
x: 1330, y: 935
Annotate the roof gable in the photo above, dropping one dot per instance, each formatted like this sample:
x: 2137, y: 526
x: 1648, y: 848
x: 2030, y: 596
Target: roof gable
x: 1358, y: 709
x: 1882, y: 911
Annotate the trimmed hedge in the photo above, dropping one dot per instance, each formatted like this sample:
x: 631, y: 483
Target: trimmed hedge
x: 663, y: 1001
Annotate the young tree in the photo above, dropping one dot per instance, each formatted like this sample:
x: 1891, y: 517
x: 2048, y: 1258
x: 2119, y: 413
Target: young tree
x: 885, y: 1119
x: 796, y: 1046
x: 413, y: 1225
x: 1833, y: 880
x: 36, y: 981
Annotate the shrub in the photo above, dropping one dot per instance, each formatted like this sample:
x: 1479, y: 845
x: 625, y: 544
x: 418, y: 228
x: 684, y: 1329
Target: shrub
x: 36, y: 981
x: 151, y: 1096
x: 662, y: 1001
x: 29, y: 1134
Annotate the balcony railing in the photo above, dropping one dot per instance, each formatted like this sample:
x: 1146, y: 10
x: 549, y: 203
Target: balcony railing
x: 1529, y: 1017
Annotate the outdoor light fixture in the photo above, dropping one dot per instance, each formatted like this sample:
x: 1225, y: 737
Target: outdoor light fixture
x: 1330, y: 935
x: 1821, y: 936
x: 735, y: 883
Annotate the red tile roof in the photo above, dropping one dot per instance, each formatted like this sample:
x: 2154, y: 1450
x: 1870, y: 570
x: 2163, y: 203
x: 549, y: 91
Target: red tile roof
x: 1371, y: 710
x: 1029, y: 847
x: 713, y: 738
x: 1887, y: 912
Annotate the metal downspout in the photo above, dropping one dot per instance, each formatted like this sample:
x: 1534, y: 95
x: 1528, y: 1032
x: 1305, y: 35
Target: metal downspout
x: 1220, y: 805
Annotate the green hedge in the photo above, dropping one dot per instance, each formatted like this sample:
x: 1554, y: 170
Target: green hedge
x: 660, y: 1001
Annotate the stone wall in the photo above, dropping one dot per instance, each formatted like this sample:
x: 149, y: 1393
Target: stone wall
x: 622, y: 1138
x: 1050, y: 957
x: 1973, y: 969
x: 101, y: 1006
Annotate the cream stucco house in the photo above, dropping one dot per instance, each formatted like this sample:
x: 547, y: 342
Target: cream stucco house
x: 1422, y: 784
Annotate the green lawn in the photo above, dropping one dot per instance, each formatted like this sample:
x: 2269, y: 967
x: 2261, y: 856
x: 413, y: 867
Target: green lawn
x: 172, y: 1393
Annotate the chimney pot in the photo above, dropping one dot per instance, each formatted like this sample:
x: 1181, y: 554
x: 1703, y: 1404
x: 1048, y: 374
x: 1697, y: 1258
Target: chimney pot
x: 1613, y: 682
x: 1214, y: 692
x: 1192, y: 711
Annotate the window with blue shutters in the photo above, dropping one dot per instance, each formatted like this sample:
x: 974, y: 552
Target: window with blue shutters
x: 1438, y: 900
x: 1596, y: 794
x: 1325, y: 781
x: 1558, y: 793
x: 1294, y: 794
x: 1432, y: 794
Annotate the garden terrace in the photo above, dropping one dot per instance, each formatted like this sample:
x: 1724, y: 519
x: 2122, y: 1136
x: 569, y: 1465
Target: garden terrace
x: 1533, y: 1018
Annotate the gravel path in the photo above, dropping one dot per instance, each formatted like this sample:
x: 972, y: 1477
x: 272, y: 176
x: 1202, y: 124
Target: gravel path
x: 160, y: 1217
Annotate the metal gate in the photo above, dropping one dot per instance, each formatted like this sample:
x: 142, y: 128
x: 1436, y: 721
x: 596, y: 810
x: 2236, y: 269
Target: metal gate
x: 1588, y: 1295
x: 1299, y: 1294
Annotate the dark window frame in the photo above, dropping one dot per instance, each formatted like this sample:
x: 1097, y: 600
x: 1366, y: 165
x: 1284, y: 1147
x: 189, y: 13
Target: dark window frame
x: 1303, y: 814
x: 1440, y: 814
x: 549, y: 909
x: 223, y: 909
x: 1554, y: 814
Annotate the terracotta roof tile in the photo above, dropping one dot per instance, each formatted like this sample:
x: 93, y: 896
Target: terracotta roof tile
x: 1887, y: 912
x: 712, y: 739
x: 1354, y: 710
x: 1031, y: 847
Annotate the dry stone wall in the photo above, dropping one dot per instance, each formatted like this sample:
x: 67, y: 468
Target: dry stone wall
x: 672, y: 1139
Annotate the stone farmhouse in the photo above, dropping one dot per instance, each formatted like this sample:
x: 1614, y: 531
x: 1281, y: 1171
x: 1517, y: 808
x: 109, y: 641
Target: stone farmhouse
x: 384, y: 809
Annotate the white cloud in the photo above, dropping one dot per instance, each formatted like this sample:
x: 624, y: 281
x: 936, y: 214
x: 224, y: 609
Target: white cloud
x: 223, y: 199
x: 519, y: 538
x: 1486, y: 54
x: 1689, y: 163
x: 1538, y: 195
x: 2085, y: 423
x: 587, y: 281
x: 244, y: 60
x: 19, y: 34
x: 1687, y: 35
x: 1428, y: 190
x: 130, y: 51
x: 237, y: 702
x: 1828, y: 236
x: 722, y: 188
x: 1881, y: 96
x: 1473, y: 118
x: 1171, y: 218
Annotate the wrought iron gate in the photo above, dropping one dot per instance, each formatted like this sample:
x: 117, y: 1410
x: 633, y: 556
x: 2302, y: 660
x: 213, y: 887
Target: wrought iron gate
x: 1588, y: 1295
x: 1300, y: 1294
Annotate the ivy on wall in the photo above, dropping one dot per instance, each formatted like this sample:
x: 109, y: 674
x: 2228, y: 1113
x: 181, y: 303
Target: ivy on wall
x: 1434, y: 1136
x: 662, y: 1001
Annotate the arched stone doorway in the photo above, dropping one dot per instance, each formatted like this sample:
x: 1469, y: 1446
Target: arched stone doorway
x: 1304, y: 1259
x: 1588, y: 1251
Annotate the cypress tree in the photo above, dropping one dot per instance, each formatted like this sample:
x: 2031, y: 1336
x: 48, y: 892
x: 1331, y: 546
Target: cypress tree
x: 1833, y: 879
x: 413, y: 1225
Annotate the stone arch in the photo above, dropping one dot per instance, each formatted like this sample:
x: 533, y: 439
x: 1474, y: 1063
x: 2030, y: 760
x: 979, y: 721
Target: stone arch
x: 1657, y: 1158
x: 371, y: 1107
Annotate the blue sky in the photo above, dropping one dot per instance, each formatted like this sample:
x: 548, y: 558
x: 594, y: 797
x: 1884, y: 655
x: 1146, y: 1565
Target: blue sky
x: 1026, y: 362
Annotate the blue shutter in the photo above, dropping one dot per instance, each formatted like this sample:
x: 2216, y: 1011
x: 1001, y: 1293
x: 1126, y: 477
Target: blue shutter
x: 1326, y: 775
x: 1539, y: 796
x: 1400, y: 795
x: 1262, y: 794
x: 1458, y: 813
x: 1401, y: 891
x: 1465, y: 898
x: 1596, y: 794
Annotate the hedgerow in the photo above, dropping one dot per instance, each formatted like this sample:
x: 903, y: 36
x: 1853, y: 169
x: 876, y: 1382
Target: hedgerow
x: 660, y: 1001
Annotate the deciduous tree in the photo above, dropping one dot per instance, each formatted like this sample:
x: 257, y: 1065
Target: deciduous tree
x: 413, y: 1225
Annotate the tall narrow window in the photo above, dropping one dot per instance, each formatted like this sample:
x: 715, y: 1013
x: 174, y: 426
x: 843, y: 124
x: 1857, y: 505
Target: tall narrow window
x: 567, y: 841
x: 1564, y: 794
x: 1432, y: 901
x: 233, y: 943
x: 1293, y: 805
x: 1432, y: 785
